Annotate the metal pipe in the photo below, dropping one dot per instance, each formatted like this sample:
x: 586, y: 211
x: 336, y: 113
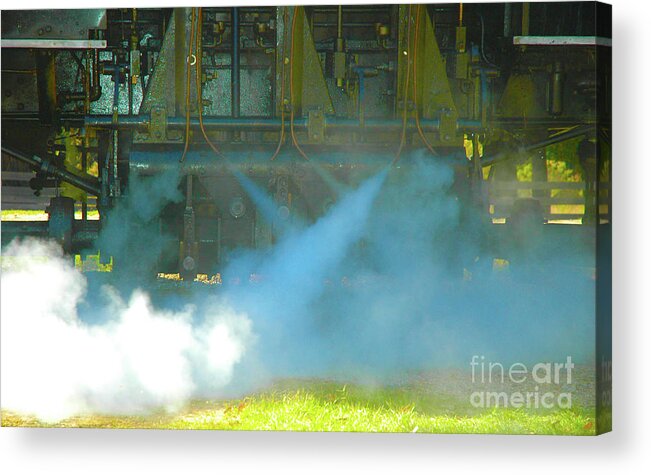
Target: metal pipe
x: 349, y: 24
x: 526, y: 8
x: 148, y: 163
x: 19, y: 71
x: 142, y: 121
x: 268, y: 124
x: 235, y: 63
x: 68, y: 117
x: 340, y: 21
x: 113, y: 173
x: 576, y: 132
x: 38, y: 163
x: 340, y: 50
x: 362, y: 72
x: 83, y: 233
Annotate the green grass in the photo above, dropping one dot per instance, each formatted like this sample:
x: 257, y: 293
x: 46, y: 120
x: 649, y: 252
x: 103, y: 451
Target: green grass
x: 38, y: 215
x: 22, y: 214
x: 326, y: 406
x: 358, y: 409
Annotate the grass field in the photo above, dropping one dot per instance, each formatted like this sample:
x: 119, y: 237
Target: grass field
x: 328, y: 406
x: 38, y: 215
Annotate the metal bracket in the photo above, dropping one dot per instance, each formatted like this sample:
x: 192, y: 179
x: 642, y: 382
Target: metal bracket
x: 448, y: 127
x: 158, y: 123
x: 157, y: 131
x: 316, y: 126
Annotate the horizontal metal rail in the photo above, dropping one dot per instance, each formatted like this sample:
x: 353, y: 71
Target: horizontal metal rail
x: 269, y: 124
x: 52, y: 43
x: 503, y: 185
x: 562, y: 41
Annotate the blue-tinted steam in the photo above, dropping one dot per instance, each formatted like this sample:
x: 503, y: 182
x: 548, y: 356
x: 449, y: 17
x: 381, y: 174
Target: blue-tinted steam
x: 337, y: 188
x: 264, y: 203
x: 396, y: 276
x: 131, y: 233
x: 270, y: 210
x: 294, y: 276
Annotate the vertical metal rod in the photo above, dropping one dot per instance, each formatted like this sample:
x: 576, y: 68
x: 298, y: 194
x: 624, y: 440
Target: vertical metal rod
x: 189, y: 245
x: 84, y: 161
x: 340, y: 21
x: 116, y: 91
x: 188, y: 192
x: 105, y: 180
x: 507, y: 20
x: 340, y: 56
x: 130, y: 95
x: 526, y: 8
x: 87, y: 84
x: 235, y: 63
x: 95, y: 85
x: 114, y: 186
x: 360, y: 96
x: 477, y: 181
x: 134, y: 57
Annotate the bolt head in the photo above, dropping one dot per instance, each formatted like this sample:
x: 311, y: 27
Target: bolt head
x: 188, y: 263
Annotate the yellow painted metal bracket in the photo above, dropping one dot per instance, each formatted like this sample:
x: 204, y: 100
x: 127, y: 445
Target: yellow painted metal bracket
x: 433, y: 97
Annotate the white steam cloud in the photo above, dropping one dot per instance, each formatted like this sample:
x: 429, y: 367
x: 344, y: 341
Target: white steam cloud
x: 55, y: 365
x: 135, y: 357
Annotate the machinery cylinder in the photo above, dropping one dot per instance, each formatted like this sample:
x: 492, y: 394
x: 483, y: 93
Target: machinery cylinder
x: 558, y: 78
x: 61, y: 220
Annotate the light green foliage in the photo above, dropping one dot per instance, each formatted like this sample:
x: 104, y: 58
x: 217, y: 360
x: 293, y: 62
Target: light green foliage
x: 306, y: 411
x: 329, y: 406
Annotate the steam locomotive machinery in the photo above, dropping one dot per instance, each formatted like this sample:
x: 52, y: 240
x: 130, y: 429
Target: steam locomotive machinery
x: 95, y: 99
